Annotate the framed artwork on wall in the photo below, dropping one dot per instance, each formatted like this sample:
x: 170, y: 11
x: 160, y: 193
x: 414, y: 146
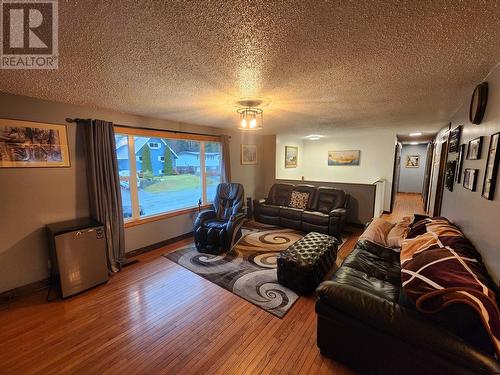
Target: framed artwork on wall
x: 28, y: 144
x: 460, y: 163
x: 248, y: 154
x: 337, y: 158
x: 454, y: 139
x: 490, y: 176
x: 291, y: 156
x: 451, y: 166
x: 474, y: 149
x: 470, y: 179
x: 412, y: 161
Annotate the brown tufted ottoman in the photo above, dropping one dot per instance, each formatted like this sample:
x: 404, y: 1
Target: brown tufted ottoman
x: 303, y: 265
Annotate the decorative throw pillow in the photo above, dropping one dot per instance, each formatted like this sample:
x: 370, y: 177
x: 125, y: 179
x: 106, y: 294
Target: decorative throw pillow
x: 377, y: 231
x: 299, y: 200
x: 398, y: 233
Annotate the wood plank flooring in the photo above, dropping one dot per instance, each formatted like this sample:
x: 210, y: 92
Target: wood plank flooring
x: 157, y: 317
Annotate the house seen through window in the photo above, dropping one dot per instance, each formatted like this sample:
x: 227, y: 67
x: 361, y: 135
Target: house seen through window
x: 159, y: 175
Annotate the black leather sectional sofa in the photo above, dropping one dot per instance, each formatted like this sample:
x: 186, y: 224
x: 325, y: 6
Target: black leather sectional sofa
x: 365, y: 322
x: 325, y: 212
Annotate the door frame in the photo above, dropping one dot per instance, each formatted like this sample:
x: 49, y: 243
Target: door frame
x: 443, y: 159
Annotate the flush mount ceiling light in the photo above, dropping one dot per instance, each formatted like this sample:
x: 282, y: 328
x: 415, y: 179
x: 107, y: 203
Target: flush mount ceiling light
x: 314, y: 137
x: 414, y: 143
x: 250, y: 115
x: 415, y: 134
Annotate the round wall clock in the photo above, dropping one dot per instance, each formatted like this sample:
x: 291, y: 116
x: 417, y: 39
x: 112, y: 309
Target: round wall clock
x: 478, y: 103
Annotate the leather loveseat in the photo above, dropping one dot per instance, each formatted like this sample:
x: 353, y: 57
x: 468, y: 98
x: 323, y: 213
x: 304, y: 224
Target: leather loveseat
x: 325, y: 210
x: 365, y: 322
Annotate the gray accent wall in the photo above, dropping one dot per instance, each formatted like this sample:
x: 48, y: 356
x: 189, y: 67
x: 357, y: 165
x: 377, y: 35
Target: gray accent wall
x: 33, y: 197
x: 477, y: 217
x: 362, y: 198
x: 411, y: 180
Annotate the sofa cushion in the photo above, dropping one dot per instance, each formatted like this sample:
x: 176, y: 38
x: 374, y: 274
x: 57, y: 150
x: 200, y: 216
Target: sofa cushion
x: 328, y: 199
x: 398, y: 233
x: 374, y: 266
x: 269, y: 210
x: 299, y: 200
x: 279, y: 195
x: 377, y: 231
x: 314, y: 217
x: 290, y: 213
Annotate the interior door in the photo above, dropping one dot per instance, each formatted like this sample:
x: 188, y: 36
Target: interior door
x: 395, y: 173
x: 440, y: 183
x: 427, y: 175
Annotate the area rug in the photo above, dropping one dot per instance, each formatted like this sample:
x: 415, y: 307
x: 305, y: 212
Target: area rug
x: 249, y: 270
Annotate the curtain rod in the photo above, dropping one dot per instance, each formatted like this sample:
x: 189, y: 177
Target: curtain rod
x: 72, y: 120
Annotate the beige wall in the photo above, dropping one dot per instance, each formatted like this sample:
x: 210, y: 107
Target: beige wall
x: 31, y: 198
x: 478, y: 217
x: 376, y: 162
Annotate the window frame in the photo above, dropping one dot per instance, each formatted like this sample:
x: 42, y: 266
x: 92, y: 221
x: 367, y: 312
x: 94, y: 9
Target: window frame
x: 136, y: 219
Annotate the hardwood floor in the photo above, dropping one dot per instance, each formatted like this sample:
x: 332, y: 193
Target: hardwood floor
x: 157, y: 317
x: 406, y: 204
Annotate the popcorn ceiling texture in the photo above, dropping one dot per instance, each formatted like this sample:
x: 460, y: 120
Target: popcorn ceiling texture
x: 321, y: 64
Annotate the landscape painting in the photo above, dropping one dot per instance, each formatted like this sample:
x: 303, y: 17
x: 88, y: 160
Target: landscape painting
x: 32, y: 144
x: 350, y: 157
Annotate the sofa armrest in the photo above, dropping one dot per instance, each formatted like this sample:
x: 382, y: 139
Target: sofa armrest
x: 237, y: 217
x: 257, y: 202
x: 339, y: 212
x: 409, y: 326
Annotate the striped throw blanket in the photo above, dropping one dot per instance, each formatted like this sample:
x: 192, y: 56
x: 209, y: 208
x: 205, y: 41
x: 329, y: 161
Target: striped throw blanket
x: 440, y: 267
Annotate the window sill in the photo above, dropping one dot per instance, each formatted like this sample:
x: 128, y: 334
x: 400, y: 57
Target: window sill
x: 150, y: 219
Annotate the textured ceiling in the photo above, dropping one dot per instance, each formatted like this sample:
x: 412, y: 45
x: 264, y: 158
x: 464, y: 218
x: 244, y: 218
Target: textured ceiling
x: 322, y: 65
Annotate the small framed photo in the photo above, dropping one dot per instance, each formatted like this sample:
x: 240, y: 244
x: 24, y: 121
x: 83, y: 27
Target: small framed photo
x: 413, y: 161
x: 454, y: 139
x: 474, y: 149
x: 490, y: 176
x: 460, y: 163
x: 291, y: 156
x: 248, y: 154
x: 470, y: 179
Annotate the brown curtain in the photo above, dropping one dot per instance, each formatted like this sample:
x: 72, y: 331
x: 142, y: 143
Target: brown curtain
x: 104, y: 186
x: 226, y: 160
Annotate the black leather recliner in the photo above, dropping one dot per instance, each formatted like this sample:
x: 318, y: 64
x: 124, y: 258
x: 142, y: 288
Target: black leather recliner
x: 218, y: 229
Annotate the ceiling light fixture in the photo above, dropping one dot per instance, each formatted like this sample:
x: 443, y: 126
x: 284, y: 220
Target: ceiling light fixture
x: 314, y: 137
x: 415, y: 134
x: 251, y: 117
x: 414, y: 143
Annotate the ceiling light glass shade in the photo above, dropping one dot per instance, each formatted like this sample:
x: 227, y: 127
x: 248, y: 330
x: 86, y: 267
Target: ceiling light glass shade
x: 250, y: 118
x: 415, y: 134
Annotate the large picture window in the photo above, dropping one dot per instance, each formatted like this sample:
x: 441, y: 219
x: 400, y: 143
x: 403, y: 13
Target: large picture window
x: 163, y: 173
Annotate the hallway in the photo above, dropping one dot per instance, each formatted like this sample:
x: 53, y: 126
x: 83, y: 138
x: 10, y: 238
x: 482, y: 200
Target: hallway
x: 406, y: 204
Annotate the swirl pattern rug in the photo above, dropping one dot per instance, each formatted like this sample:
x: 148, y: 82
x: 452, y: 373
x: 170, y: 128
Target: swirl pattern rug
x: 249, y: 270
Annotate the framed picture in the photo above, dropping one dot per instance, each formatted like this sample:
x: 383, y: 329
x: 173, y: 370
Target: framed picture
x: 350, y: 157
x: 33, y: 144
x: 460, y: 163
x: 490, y: 176
x: 454, y: 139
x: 474, y: 149
x: 451, y: 166
x: 412, y: 161
x: 291, y: 156
x: 248, y: 154
x: 470, y: 179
